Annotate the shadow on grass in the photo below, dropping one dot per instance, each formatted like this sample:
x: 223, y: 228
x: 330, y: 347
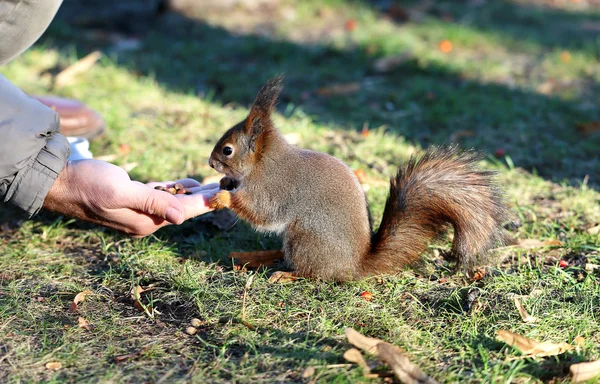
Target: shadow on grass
x: 426, y: 103
x: 574, y: 27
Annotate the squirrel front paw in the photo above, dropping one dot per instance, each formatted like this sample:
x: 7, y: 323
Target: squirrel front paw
x: 221, y: 199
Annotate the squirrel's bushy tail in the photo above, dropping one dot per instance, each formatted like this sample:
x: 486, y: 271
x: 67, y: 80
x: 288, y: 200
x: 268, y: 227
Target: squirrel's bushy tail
x: 442, y: 187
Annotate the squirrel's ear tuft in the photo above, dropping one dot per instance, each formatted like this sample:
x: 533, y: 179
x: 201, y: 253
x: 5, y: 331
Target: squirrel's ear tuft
x: 266, y: 100
x: 264, y: 105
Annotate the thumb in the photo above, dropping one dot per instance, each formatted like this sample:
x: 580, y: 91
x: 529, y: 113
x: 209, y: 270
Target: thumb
x: 158, y: 203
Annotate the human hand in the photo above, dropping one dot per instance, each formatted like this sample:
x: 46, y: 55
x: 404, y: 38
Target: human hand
x: 103, y: 193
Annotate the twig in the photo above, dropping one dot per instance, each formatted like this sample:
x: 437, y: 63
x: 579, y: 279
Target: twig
x: 67, y: 75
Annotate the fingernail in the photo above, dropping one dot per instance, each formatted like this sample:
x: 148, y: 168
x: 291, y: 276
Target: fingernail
x: 174, y: 215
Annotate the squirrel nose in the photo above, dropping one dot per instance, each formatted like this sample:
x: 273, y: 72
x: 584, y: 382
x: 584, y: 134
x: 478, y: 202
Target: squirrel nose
x: 210, y: 162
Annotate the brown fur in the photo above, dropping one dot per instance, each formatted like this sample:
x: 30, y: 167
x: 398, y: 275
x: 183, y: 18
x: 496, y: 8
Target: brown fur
x: 317, y: 204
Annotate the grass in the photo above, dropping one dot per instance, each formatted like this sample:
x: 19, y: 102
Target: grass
x: 506, y: 84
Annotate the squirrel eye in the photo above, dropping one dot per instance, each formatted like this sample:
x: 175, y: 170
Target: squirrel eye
x: 227, y: 151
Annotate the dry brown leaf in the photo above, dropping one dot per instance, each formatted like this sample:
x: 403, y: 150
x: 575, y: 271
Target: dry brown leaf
x: 133, y: 355
x: 445, y: 46
x: 78, y: 299
x: 585, y: 371
x: 523, y: 312
x: 588, y: 127
x: 83, y: 323
x: 353, y: 355
x: 534, y: 243
x: 367, y: 344
x: 308, y: 372
x: 591, y: 267
x: 530, y: 347
x: 282, y: 277
x: 594, y: 230
x: 338, y: 89
x: 390, y: 63
x: 68, y: 75
x: 54, y: 365
x: 405, y: 370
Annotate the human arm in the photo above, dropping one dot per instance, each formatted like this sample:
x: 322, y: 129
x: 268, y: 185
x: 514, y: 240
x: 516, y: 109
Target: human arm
x: 103, y: 193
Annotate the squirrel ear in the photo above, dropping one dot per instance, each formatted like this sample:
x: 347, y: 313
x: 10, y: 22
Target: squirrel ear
x: 264, y: 105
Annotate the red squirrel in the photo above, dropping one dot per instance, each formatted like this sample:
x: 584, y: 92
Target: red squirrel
x: 317, y: 203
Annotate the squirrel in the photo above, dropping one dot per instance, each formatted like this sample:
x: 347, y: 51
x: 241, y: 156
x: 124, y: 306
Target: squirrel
x: 317, y: 203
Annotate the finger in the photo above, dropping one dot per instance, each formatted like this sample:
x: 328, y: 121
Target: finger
x: 157, y: 203
x: 204, y: 188
x: 196, y: 204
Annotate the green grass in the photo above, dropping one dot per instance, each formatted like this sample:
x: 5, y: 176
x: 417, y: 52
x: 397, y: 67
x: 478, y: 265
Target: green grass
x: 504, y: 83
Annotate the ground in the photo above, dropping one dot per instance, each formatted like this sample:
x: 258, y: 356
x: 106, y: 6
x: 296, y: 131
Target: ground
x: 517, y: 80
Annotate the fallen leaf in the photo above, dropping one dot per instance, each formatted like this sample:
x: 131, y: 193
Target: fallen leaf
x: 455, y: 136
x: 78, y: 299
x: 338, y: 89
x: 593, y: 230
x: 583, y: 372
x: 366, y: 295
x: 580, y: 341
x: 137, y: 300
x: 54, y: 365
x: 365, y: 131
x: 479, y: 274
x: 361, y: 175
x: 534, y: 243
x: 591, y: 267
x: 406, y: 371
x: 445, y: 46
x: 83, y: 323
x: 195, y: 323
x: 367, y: 344
x: 68, y: 75
x: 124, y: 149
x: 565, y: 57
x: 308, y: 372
x: 587, y: 128
x: 523, y: 312
x: 281, y: 277
x: 530, y: 347
x: 390, y: 63
x: 353, y: 355
x: 350, y: 25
